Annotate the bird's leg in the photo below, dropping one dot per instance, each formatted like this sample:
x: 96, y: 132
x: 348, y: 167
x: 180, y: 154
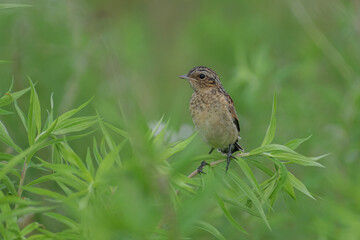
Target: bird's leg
x: 228, y: 158
x: 211, y: 150
x: 200, y: 168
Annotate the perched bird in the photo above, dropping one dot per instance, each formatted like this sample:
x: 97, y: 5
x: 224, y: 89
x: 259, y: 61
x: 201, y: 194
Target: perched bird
x: 213, y: 113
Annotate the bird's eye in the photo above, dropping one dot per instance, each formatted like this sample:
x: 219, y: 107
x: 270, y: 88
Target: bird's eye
x: 201, y: 76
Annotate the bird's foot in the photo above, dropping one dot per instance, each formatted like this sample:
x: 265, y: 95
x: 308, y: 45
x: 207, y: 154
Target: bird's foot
x: 228, y: 162
x: 211, y: 150
x: 229, y: 156
x: 200, y: 168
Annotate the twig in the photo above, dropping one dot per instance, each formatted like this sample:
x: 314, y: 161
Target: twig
x: 23, y: 173
x: 213, y: 163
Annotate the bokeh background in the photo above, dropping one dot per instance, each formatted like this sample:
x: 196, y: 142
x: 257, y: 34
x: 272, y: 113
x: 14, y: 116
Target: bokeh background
x: 130, y: 54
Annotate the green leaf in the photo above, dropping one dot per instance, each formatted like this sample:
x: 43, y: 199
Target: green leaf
x: 281, y: 180
x: 55, y: 154
x: 109, y: 160
x: 299, y: 185
x: 159, y: 138
x: 178, y: 146
x: 22, y: 116
x: 50, y: 177
x: 261, y: 166
x: 65, y: 220
x: 5, y: 156
x: 5, y: 138
x: 70, y: 113
x: 269, y: 187
x: 110, y: 142
x: 89, y: 162
x: 156, y: 128
x: 289, y: 189
x: 8, y: 98
x: 11, y: 222
x: 181, y: 181
x: 241, y: 206
x: 60, y: 140
x: 45, y: 192
x: 30, y: 228
x: 34, y: 115
x: 4, y: 112
x: 319, y: 157
x: 47, y: 133
x: 9, y: 185
x: 74, y: 125
x: 116, y: 130
x: 295, y: 143
x: 229, y: 217
x: 97, y: 155
x: 270, y: 132
x: 249, y: 193
x: 210, y: 229
x: 284, y: 153
x: 250, y: 176
x: 103, y: 149
x: 23, y: 211
x: 50, y: 117
x: 70, y: 156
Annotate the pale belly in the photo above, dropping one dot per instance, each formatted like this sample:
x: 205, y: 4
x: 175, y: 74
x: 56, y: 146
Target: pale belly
x: 216, y: 127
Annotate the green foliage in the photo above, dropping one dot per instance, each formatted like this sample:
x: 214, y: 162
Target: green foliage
x: 128, y: 55
x: 139, y: 194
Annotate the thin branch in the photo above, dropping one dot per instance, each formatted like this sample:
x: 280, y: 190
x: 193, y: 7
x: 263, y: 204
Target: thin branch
x: 213, y: 163
x: 23, y: 173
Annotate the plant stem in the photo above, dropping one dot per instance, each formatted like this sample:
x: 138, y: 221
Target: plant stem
x: 213, y: 163
x: 23, y: 173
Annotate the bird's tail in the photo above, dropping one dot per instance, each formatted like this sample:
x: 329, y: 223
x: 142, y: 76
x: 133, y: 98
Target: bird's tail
x: 237, y: 147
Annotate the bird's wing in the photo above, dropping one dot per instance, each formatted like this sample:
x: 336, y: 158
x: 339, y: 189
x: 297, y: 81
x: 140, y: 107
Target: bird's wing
x: 232, y: 111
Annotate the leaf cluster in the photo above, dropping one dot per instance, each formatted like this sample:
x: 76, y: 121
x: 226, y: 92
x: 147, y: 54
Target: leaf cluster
x: 120, y: 189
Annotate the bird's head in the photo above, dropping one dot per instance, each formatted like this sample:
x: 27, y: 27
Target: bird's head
x: 201, y: 78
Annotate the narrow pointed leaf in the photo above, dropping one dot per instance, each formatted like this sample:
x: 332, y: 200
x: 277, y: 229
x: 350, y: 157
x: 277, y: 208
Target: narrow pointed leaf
x: 45, y: 192
x: 108, y: 161
x: 229, y: 217
x: 295, y: 143
x: 23, y: 211
x: 70, y: 113
x: 22, y: 116
x: 5, y: 138
x: 270, y: 132
x: 178, y: 147
x: 246, y: 189
x: 35, y: 109
x: 117, y: 130
x: 14, y: 161
x: 299, y: 185
x: 74, y: 125
x: 30, y: 228
x: 65, y: 220
x: 210, y: 229
x: 8, y: 98
x: 4, y: 112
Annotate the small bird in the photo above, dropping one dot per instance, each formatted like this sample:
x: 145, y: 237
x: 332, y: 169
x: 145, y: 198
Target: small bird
x: 213, y: 113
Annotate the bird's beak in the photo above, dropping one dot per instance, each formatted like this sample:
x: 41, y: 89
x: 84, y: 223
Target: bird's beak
x: 184, y: 77
x: 187, y: 78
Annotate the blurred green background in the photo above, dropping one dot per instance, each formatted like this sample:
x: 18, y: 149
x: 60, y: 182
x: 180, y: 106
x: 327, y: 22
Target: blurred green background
x: 129, y: 54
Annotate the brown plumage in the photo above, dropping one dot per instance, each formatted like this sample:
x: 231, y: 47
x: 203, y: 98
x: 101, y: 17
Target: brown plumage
x: 213, y: 112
